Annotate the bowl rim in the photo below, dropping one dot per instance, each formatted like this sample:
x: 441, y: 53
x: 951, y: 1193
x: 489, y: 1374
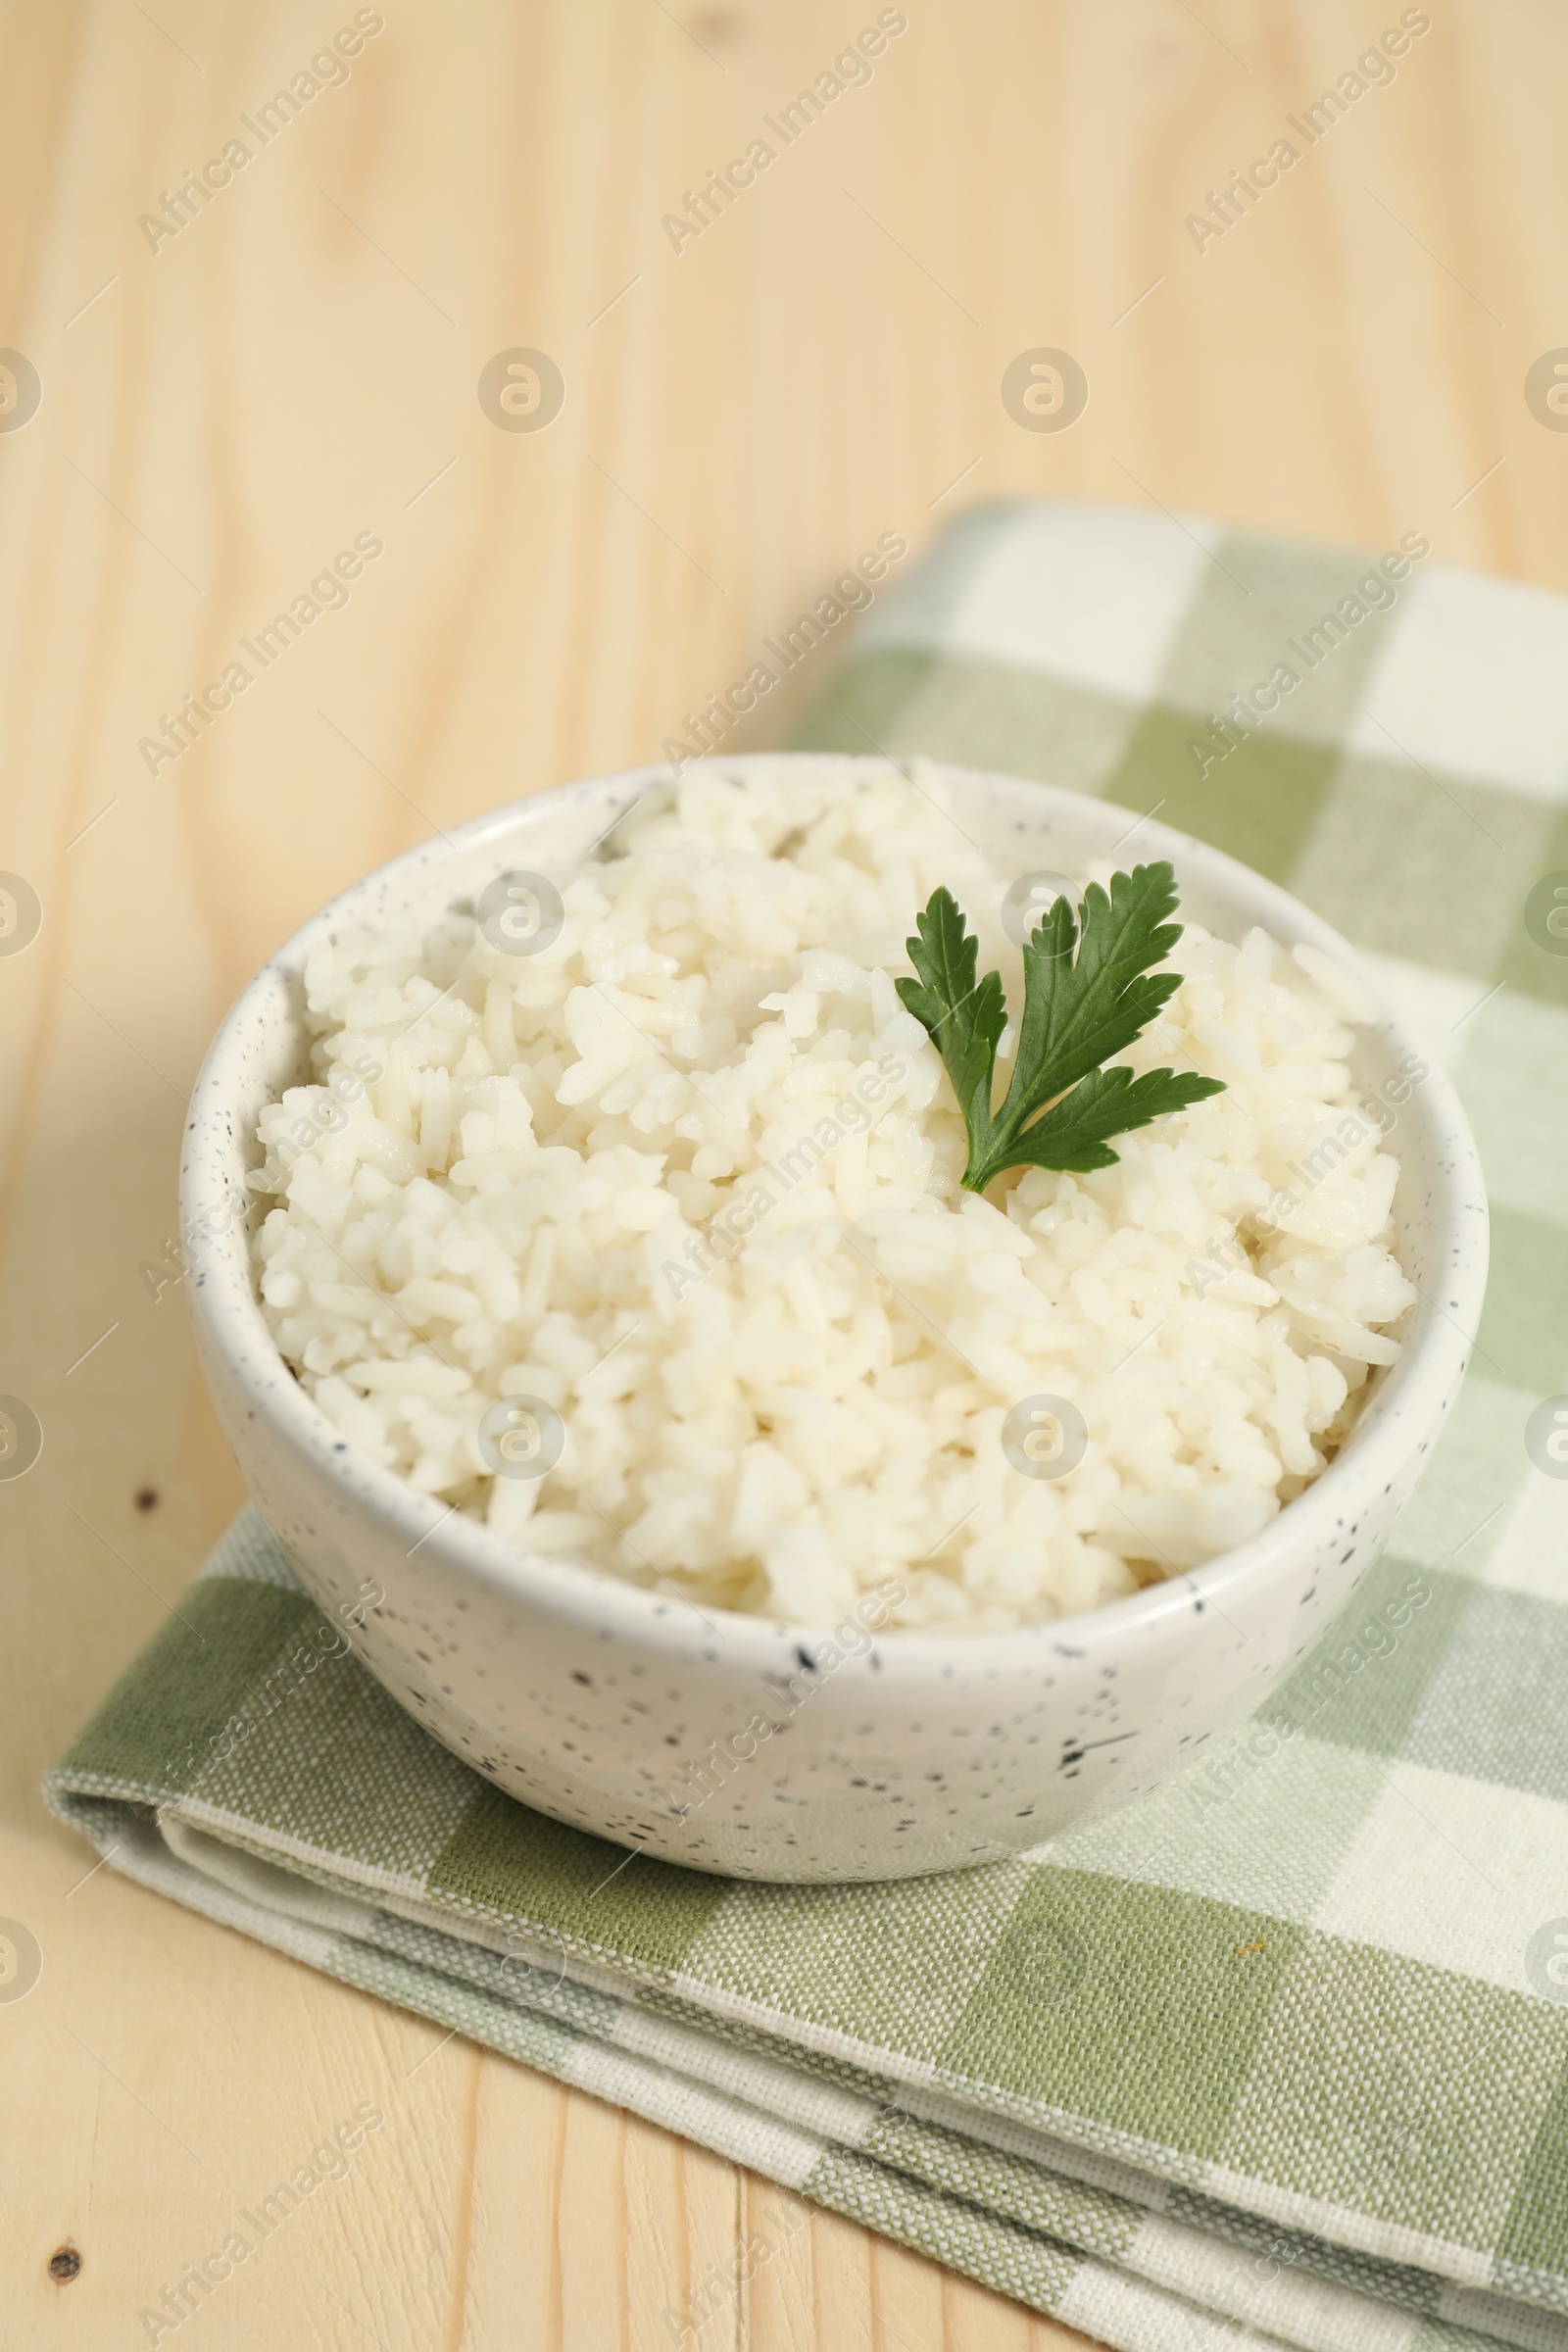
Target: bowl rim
x: 1410, y: 1399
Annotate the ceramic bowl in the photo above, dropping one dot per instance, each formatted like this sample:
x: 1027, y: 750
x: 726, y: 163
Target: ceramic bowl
x: 733, y: 1744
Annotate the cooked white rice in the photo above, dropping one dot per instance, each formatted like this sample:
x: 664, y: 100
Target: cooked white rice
x: 507, y: 1183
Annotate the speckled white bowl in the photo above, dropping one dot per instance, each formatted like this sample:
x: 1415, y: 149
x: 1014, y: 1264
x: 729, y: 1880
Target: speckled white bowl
x: 593, y: 1700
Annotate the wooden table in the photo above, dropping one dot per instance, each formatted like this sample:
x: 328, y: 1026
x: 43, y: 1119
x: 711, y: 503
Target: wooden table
x: 226, y: 407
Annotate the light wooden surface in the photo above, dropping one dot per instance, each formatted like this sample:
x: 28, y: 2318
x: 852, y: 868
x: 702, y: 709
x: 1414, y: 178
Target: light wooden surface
x: 296, y: 366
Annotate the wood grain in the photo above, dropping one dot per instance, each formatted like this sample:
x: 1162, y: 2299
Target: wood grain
x: 299, y: 364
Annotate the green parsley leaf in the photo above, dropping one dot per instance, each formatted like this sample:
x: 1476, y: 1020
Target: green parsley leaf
x: 965, y: 1020
x: 1077, y: 1012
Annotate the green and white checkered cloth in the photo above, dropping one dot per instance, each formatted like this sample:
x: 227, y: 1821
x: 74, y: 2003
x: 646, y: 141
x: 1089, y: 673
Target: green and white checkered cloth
x: 1274, y: 2055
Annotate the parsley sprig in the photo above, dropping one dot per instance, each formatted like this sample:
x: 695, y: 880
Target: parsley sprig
x: 1077, y: 1012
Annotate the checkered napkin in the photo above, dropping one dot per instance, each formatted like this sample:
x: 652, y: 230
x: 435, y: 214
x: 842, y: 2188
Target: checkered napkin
x: 1280, y: 2053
